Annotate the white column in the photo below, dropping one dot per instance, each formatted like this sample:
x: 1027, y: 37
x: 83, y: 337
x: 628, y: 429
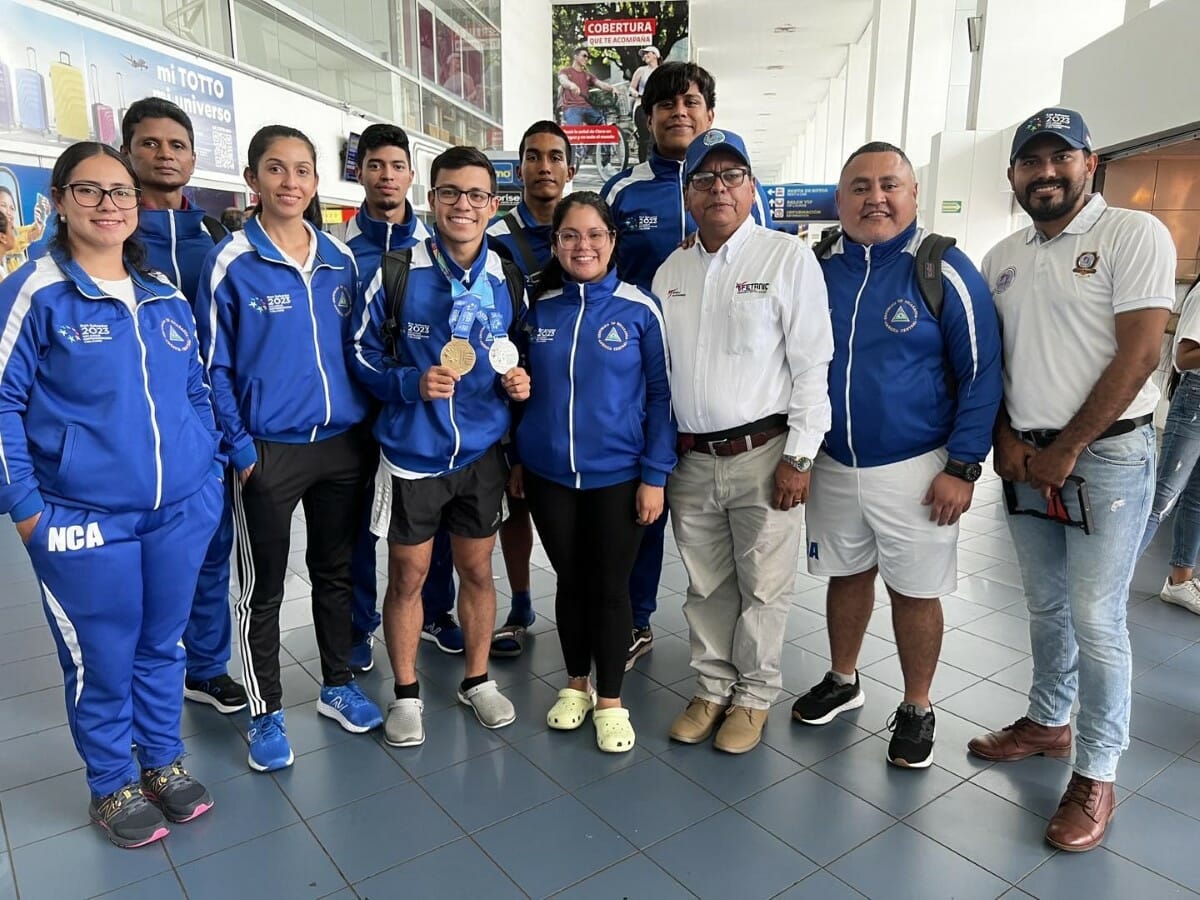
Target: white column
x: 889, y: 70
x: 835, y: 137
x: 811, y: 171
x: 820, y: 141
x: 930, y: 42
x: 525, y: 66
x: 858, y: 84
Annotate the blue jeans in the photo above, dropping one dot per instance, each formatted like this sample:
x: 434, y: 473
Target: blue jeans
x: 1178, y: 477
x: 582, y: 115
x: 1077, y: 587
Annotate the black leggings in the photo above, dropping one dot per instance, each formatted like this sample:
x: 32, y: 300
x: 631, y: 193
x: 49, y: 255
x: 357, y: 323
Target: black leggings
x: 592, y: 539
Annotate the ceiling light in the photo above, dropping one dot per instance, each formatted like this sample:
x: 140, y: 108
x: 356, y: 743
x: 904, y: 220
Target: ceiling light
x: 769, y: 93
x: 774, y: 68
x: 785, y: 29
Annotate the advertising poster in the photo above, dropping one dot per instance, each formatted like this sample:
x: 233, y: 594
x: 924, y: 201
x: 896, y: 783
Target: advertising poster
x: 802, y: 202
x: 598, y: 49
x: 62, y: 82
x: 25, y: 199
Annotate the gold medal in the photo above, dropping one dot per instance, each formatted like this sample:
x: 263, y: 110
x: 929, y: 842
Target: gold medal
x: 458, y: 355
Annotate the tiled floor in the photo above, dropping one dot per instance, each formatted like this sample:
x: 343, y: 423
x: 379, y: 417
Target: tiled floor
x: 813, y: 813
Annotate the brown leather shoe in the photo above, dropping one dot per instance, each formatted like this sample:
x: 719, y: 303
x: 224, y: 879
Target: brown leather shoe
x: 742, y: 729
x: 697, y: 722
x: 1022, y: 739
x: 1083, y: 814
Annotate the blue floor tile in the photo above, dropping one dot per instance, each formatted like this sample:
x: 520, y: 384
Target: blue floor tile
x: 552, y: 846
x: 1157, y: 838
x: 902, y: 864
x: 731, y: 778
x: 334, y: 776
x: 489, y: 788
x: 450, y: 738
x: 82, y: 863
x: 290, y: 861
x: 699, y: 857
x: 161, y: 887
x: 635, y: 878
x: 1098, y: 875
x: 572, y: 758
x: 243, y: 808
x: 820, y: 885
x: 863, y: 771
x: 8, y: 886
x: 809, y: 744
x: 33, y: 757
x: 37, y: 811
x: 456, y: 870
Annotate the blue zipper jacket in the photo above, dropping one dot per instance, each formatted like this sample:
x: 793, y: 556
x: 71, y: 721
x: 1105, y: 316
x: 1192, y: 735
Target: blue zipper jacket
x: 538, y: 236
x: 601, y: 414
x: 368, y: 239
x: 273, y: 342
x: 177, y: 243
x: 99, y: 409
x: 647, y: 205
x: 431, y: 437
x: 891, y: 358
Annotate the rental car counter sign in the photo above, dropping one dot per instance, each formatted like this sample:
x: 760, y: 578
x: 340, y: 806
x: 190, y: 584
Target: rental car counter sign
x: 802, y: 202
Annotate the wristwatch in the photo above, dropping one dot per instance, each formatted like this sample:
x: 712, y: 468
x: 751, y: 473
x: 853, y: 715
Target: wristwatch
x: 968, y: 472
x: 799, y: 463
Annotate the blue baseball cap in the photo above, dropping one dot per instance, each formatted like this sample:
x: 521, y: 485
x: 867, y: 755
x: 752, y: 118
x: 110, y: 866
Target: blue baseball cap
x: 713, y: 139
x: 1064, y: 123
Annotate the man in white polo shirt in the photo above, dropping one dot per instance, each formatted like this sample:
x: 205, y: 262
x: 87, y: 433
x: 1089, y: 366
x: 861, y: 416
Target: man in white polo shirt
x: 747, y: 323
x: 1083, y: 297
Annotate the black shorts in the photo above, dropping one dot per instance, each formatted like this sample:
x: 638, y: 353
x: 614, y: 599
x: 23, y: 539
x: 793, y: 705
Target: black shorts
x: 466, y: 502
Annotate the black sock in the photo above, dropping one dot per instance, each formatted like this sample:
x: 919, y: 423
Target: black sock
x: 469, y: 683
x: 407, y: 691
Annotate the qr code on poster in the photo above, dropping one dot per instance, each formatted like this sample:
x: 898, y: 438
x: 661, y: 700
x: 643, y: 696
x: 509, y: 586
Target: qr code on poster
x: 223, y: 153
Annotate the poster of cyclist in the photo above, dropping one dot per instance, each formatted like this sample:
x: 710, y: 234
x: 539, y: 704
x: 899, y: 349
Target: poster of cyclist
x: 603, y: 54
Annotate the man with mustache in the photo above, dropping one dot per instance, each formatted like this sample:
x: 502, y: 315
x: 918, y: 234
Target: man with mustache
x: 1083, y: 296
x: 914, y: 392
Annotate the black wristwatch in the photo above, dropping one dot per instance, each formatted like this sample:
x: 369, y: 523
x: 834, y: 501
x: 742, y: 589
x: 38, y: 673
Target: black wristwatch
x: 968, y: 472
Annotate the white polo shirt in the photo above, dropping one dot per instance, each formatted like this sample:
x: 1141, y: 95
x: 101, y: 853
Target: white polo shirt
x: 749, y: 335
x: 1188, y: 328
x: 1058, y: 299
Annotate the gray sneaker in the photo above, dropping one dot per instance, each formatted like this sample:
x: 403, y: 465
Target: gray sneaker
x: 404, y: 727
x: 492, y: 708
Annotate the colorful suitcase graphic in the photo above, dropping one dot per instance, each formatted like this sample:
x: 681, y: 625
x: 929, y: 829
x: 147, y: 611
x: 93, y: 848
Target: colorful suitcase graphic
x: 70, y: 100
x: 103, y: 120
x: 31, y: 96
x: 121, y: 107
x: 8, y: 118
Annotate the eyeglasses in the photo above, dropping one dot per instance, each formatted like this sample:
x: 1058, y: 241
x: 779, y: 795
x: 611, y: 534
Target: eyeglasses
x: 731, y: 178
x: 449, y: 196
x: 597, y: 237
x: 92, y: 195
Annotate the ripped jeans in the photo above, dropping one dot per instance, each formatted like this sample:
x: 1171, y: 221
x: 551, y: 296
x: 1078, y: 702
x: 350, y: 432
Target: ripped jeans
x: 1178, y: 486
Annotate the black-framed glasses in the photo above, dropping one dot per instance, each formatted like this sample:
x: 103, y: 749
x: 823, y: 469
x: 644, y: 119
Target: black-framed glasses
x: 91, y: 195
x: 569, y: 239
x: 731, y: 178
x: 1068, y: 505
x: 449, y: 195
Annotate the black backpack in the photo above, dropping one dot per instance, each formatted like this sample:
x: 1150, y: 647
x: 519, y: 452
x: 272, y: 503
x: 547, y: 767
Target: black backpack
x: 517, y: 229
x: 215, y: 229
x: 927, y: 264
x: 396, y: 265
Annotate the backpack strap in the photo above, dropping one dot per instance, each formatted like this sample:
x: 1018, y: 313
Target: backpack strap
x: 215, y: 229
x: 524, y: 249
x: 928, y: 266
x: 395, y: 266
x: 515, y: 282
x: 823, y: 246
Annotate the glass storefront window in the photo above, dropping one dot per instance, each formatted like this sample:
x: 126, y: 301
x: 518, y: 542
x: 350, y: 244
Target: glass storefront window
x: 204, y: 23
x: 463, y: 51
x: 451, y: 123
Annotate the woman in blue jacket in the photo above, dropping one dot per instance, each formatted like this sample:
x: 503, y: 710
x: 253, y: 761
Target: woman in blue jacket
x: 273, y: 310
x: 596, y: 443
x: 111, y: 473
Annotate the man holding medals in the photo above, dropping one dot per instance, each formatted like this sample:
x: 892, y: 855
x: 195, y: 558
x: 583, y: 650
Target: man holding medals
x: 442, y: 361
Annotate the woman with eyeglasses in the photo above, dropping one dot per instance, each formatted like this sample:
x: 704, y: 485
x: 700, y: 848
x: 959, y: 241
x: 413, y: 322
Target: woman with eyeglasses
x: 274, y: 314
x: 112, y: 475
x: 596, y: 442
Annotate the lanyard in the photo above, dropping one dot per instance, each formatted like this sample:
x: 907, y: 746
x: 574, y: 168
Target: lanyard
x: 470, y: 303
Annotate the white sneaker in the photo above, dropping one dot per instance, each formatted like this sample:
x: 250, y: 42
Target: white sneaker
x: 1185, y: 594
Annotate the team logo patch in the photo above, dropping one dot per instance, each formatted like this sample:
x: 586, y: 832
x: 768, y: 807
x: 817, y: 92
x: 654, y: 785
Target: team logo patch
x: 714, y: 137
x: 752, y: 287
x: 176, y: 336
x: 900, y: 316
x: 341, y: 300
x: 1005, y: 280
x: 1085, y: 263
x: 613, y: 336
x: 70, y: 333
x: 544, y: 335
x: 639, y: 223
x: 418, y: 331
x: 675, y: 293
x: 272, y: 303
x: 85, y: 333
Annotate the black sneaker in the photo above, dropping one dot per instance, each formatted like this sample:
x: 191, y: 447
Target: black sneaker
x: 641, y: 644
x: 173, y: 790
x: 222, y: 693
x: 129, y: 819
x: 821, y: 704
x: 911, y: 746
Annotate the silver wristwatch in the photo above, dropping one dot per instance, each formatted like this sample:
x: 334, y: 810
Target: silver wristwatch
x: 799, y: 463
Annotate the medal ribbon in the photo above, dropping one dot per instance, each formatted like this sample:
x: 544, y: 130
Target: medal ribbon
x: 477, y: 302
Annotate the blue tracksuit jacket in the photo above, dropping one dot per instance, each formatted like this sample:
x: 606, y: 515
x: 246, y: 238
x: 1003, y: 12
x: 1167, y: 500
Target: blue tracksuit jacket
x: 273, y: 342
x: 368, y: 239
x: 537, y: 235
x: 601, y: 414
x: 888, y: 379
x: 177, y: 243
x: 431, y: 437
x: 647, y: 205
x: 90, y: 416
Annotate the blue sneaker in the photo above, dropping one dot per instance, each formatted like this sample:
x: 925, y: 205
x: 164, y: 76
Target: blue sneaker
x: 347, y: 705
x: 362, y: 658
x: 269, y: 747
x: 445, y: 633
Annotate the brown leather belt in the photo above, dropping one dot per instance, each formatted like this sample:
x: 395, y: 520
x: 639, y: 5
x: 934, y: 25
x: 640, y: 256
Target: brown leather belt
x: 735, y: 440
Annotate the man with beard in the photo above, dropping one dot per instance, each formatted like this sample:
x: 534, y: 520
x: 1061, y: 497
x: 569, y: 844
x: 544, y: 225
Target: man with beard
x: 1083, y: 297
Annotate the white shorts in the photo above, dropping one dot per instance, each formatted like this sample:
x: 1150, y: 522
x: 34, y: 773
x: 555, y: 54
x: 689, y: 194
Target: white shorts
x: 859, y: 518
